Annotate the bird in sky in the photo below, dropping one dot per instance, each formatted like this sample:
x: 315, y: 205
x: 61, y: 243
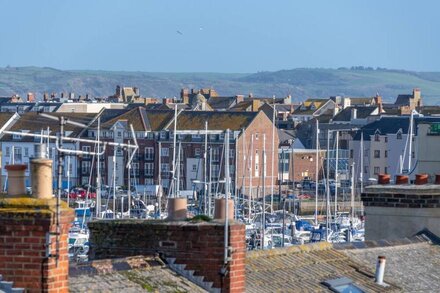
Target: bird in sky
x: 179, y: 32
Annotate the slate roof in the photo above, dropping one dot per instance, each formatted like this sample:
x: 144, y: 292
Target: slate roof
x: 362, y: 101
x: 304, y: 268
x: 195, y: 120
x: 133, y: 116
x: 242, y: 106
x: 429, y: 110
x: 306, y: 107
x: 34, y: 123
x: 4, y: 117
x: 391, y: 125
x: 362, y: 113
x: 219, y: 103
x: 286, y: 136
x: 134, y: 274
x: 415, y: 267
x: 403, y: 99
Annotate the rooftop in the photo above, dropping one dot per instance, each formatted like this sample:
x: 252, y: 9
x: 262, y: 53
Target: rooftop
x: 133, y: 274
x: 304, y: 269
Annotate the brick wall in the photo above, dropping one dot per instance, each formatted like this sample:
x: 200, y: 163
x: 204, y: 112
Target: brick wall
x: 401, y: 197
x: 198, y: 245
x: 400, y: 211
x: 24, y: 223
x: 260, y: 126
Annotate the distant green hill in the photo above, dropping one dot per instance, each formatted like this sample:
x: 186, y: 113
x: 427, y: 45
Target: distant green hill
x: 300, y: 83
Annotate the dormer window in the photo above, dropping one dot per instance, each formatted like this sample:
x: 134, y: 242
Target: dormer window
x: 399, y: 135
x: 377, y: 137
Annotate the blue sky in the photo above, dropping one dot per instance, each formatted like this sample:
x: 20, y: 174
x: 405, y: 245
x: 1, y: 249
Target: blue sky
x: 219, y: 36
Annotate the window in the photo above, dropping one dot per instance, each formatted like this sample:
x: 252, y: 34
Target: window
x: 149, y: 169
x: 343, y: 284
x: 86, y: 148
x: 17, y: 154
x: 149, y: 181
x: 231, y: 170
x: 365, y: 169
x: 194, y: 167
x: 165, y: 183
x: 119, y: 134
x: 16, y: 136
x: 7, y: 151
x: 215, y: 154
x: 149, y: 153
x: 163, y: 135
x: 221, y: 136
x: 212, y: 137
x: 386, y: 170
x: 135, y: 169
x: 376, y: 137
x: 413, y: 155
x: 165, y: 152
x: 231, y: 154
x: 150, y: 135
x: 386, y: 138
x: 196, y: 136
x: 256, y: 135
x: 118, y: 152
x: 197, y: 152
x: 376, y: 154
x: 165, y: 168
x: 351, y: 154
x: 85, y: 167
x: 376, y: 170
x: 386, y: 155
x: 399, y: 135
x: 215, y: 171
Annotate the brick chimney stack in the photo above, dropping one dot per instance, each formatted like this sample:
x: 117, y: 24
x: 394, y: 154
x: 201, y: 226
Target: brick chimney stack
x: 32, y: 254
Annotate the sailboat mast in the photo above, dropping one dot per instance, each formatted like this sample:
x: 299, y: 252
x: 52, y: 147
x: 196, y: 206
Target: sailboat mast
x: 336, y: 172
x: 68, y: 180
x: 410, y: 141
x: 210, y: 182
x: 316, y: 171
x: 352, y: 190
x: 174, y: 148
x: 159, y: 179
x: 328, y: 187
x: 263, y: 175
x: 129, y: 184
x: 205, y: 167
x: 250, y: 177
x: 178, y: 171
x: 114, y: 183
x: 362, y: 163
x: 273, y: 156
x: 98, y: 171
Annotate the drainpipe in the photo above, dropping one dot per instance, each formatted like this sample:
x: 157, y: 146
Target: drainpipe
x: 380, y: 270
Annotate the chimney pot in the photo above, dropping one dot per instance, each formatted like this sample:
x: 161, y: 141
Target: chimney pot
x: 177, y: 209
x: 384, y: 179
x: 220, y: 209
x: 401, y: 179
x: 16, y: 186
x: 421, y: 179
